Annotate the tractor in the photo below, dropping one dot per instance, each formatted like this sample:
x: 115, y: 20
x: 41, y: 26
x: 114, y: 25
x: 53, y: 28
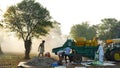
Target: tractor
x: 112, y: 50
x: 88, y: 48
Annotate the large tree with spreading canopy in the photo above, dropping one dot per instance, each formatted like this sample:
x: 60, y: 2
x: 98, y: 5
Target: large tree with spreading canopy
x: 28, y: 19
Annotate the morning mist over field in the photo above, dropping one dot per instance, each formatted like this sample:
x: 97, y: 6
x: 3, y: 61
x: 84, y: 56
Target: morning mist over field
x: 11, y: 44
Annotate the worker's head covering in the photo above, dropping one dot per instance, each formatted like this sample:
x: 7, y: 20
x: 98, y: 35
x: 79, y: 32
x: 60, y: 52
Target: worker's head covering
x: 101, y: 43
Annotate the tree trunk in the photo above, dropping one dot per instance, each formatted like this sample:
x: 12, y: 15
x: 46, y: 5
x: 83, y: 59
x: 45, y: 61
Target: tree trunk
x: 1, y: 52
x: 27, y: 44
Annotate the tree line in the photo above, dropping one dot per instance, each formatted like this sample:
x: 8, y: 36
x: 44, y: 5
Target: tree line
x: 108, y: 29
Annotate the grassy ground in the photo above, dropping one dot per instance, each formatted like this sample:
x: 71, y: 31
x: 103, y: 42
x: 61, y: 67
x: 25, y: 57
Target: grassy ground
x: 10, y: 61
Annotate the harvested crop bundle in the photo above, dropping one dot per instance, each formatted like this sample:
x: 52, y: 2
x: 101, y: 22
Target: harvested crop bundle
x: 40, y: 61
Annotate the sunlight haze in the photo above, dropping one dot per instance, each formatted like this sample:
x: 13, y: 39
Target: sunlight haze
x: 70, y: 12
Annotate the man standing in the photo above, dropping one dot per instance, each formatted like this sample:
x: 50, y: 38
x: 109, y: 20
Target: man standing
x: 41, y: 48
x: 101, y: 53
x: 67, y: 53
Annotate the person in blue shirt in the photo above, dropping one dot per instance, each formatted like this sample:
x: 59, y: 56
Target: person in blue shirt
x: 67, y: 53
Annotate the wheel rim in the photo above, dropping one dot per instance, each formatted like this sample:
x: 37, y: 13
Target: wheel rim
x: 117, y: 56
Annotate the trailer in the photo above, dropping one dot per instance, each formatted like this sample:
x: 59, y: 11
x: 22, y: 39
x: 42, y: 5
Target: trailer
x: 83, y: 50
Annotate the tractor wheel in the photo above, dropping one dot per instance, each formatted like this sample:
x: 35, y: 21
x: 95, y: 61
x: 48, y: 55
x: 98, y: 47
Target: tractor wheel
x: 115, y: 55
x: 107, y: 56
x: 77, y: 58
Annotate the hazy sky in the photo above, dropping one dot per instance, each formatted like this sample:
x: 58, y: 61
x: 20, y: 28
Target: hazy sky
x: 69, y: 12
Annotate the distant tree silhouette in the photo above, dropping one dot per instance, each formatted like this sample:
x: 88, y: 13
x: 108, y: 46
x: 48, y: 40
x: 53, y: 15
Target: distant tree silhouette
x: 83, y: 30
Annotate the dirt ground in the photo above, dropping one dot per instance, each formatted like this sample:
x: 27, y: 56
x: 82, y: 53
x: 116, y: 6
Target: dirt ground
x: 11, y: 61
x: 117, y: 65
x: 107, y: 64
x: 110, y: 64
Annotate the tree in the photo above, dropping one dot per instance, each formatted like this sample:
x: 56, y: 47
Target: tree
x: 83, y: 30
x: 109, y: 28
x: 116, y: 30
x: 28, y: 19
x: 1, y: 25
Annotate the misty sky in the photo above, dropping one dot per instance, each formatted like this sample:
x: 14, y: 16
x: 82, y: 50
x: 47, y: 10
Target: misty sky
x: 69, y: 12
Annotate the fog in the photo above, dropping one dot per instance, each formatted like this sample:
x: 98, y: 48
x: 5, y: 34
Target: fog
x: 11, y: 44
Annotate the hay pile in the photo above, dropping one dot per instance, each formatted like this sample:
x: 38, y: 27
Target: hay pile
x: 40, y: 61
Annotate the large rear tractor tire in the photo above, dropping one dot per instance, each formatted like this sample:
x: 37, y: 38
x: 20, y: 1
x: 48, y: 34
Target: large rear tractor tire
x: 77, y: 58
x: 107, y: 56
x: 115, y: 55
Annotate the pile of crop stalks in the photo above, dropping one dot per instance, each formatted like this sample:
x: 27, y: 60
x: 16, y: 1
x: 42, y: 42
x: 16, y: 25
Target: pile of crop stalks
x: 40, y: 61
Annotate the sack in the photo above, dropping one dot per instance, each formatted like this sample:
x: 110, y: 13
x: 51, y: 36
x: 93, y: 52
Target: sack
x: 54, y: 64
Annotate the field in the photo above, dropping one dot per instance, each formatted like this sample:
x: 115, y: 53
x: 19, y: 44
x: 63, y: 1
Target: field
x: 10, y: 61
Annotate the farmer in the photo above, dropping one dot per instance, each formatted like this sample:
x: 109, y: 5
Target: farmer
x: 67, y: 53
x: 101, y: 53
x: 72, y: 55
x: 60, y: 54
x: 41, y: 48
